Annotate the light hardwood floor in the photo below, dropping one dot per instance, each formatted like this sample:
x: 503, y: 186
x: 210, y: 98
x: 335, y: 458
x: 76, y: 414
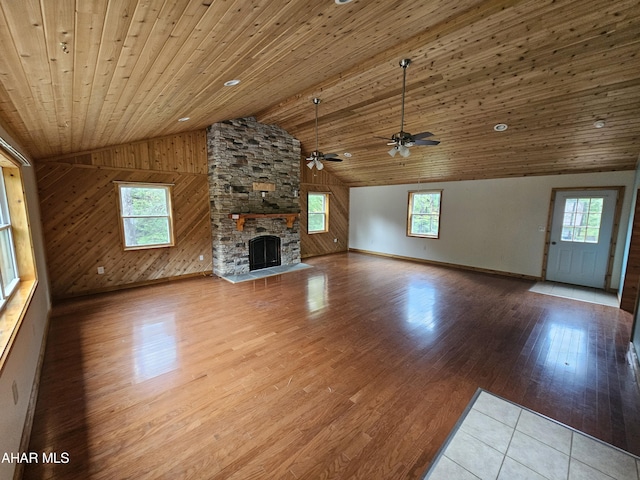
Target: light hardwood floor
x: 356, y: 368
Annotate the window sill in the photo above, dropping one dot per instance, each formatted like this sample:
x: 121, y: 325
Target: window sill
x: 12, y: 315
x: 415, y: 235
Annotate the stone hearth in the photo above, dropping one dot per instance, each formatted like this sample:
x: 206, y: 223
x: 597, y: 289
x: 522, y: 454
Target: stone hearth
x: 242, y: 153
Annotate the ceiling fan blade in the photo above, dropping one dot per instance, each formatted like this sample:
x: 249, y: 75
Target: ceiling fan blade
x: 330, y: 155
x: 427, y: 142
x: 333, y: 159
x: 420, y: 136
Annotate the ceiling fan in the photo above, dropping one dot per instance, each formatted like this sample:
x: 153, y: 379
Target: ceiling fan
x: 402, y: 140
x: 316, y: 157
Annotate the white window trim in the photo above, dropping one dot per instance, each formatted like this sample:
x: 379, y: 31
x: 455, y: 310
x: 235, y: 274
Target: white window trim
x: 325, y: 213
x: 168, y: 187
x: 410, y: 213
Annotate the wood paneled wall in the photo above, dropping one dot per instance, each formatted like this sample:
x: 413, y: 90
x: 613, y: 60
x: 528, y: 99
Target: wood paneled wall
x: 184, y: 153
x: 323, y: 243
x: 80, y: 216
x: 630, y: 289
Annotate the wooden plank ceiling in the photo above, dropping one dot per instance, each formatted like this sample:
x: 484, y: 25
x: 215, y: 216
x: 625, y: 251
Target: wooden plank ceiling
x: 77, y: 75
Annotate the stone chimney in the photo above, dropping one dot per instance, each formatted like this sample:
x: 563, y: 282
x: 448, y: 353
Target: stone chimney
x: 253, y: 169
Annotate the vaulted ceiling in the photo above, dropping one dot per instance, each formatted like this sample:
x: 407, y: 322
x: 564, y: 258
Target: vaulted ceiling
x: 77, y: 75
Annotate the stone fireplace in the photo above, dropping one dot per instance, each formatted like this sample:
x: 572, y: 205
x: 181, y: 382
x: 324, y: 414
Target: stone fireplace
x: 254, y: 180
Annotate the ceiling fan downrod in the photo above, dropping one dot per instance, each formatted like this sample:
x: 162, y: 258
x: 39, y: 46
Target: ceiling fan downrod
x: 317, y: 102
x: 404, y: 63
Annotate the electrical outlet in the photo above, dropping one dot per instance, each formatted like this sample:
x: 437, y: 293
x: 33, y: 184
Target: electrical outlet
x: 335, y: 240
x: 14, y: 389
x: 100, y: 270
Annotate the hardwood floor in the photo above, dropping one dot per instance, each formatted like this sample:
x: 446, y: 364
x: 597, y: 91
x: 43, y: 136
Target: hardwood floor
x: 356, y: 368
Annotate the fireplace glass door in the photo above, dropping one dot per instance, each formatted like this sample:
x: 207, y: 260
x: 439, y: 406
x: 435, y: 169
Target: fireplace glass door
x: 264, y: 252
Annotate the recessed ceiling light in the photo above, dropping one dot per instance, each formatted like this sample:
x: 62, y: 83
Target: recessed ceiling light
x: 184, y: 119
x: 342, y: 2
x: 599, y: 123
x: 231, y: 83
x: 347, y: 154
x: 500, y: 127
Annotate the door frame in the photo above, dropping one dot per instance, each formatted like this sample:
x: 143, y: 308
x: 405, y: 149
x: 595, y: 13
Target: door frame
x: 614, y: 231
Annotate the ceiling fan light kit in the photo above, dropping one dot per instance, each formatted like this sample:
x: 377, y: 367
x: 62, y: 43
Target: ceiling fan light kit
x: 403, y: 140
x: 315, y: 163
x: 401, y: 149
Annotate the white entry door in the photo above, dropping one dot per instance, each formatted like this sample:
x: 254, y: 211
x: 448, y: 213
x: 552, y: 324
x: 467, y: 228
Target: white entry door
x: 580, y: 238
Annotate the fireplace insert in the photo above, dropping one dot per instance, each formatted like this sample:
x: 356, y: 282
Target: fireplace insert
x: 264, y: 251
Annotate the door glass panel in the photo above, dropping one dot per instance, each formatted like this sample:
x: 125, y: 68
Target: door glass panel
x: 581, y: 220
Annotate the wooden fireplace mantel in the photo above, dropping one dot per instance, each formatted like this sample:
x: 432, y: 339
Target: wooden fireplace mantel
x: 241, y: 217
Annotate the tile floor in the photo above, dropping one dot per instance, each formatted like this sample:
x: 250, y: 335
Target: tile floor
x: 265, y: 272
x: 584, y: 294
x: 499, y: 440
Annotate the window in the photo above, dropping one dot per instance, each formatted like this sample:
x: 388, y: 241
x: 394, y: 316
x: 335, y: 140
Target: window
x: 145, y: 211
x: 8, y: 266
x: 424, y: 214
x: 581, y: 220
x: 16, y: 255
x: 318, y: 212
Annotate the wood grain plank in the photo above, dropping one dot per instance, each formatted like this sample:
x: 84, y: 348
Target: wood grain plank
x: 81, y: 225
x: 201, y: 378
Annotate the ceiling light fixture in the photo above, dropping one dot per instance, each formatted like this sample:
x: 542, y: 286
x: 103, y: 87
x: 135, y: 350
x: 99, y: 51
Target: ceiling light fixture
x: 401, y: 149
x: 348, y: 154
x: 500, y: 127
x: 342, y: 2
x: 315, y: 163
x: 184, y: 119
x: 231, y: 83
x: 599, y: 123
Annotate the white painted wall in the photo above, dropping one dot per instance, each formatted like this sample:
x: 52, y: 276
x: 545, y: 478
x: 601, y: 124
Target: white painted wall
x: 488, y: 224
x: 22, y: 362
